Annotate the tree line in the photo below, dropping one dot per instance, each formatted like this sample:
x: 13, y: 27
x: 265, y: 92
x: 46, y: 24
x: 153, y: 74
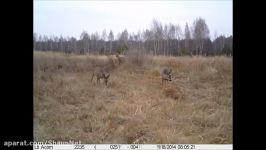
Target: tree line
x: 168, y: 40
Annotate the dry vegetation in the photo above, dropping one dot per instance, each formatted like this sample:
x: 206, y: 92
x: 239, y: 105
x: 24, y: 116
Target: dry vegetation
x: 196, y: 107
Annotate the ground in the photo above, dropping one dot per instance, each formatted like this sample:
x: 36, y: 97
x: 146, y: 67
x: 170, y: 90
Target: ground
x: 135, y: 107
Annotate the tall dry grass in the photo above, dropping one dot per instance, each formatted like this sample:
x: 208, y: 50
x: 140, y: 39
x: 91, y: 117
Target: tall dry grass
x: 196, y: 107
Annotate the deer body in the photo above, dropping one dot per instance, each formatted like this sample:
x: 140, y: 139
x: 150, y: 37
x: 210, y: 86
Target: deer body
x: 101, y: 73
x: 166, y: 74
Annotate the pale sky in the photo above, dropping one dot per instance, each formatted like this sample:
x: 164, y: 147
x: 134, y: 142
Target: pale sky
x: 70, y: 18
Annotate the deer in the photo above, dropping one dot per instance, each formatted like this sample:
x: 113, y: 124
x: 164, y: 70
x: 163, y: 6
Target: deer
x: 101, y: 73
x: 166, y: 74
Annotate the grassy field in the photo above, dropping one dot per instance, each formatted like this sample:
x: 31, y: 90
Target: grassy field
x: 195, y: 108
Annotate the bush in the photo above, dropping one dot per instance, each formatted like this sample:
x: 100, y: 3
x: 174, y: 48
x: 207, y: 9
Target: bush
x: 184, y: 51
x: 227, y: 50
x: 135, y: 57
x: 121, y: 49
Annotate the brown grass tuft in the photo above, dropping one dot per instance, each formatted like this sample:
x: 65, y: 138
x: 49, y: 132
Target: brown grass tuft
x: 135, y: 57
x: 173, y: 93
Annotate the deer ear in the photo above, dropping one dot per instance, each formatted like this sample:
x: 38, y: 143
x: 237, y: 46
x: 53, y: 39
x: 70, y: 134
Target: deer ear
x: 108, y: 75
x: 170, y: 70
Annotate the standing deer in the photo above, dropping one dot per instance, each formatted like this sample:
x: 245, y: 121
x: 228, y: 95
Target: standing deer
x: 101, y: 72
x: 120, y: 59
x: 166, y: 74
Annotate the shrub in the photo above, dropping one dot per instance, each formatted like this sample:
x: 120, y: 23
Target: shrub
x: 135, y: 57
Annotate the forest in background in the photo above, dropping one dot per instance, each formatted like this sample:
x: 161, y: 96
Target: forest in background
x: 168, y: 40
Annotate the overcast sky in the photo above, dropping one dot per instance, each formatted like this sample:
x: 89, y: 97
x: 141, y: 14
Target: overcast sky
x: 70, y: 18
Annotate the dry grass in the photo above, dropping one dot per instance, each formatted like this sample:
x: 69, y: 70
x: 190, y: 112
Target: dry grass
x: 196, y: 107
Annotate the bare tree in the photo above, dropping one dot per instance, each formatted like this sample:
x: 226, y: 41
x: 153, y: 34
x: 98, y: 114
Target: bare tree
x: 138, y: 39
x: 35, y: 36
x: 201, y: 32
x: 187, y: 37
x: 124, y: 37
x: 172, y: 37
x: 131, y: 40
x: 60, y: 42
x: 157, y: 31
x: 214, y: 43
x: 187, y: 32
x: 95, y: 39
x: 111, y: 38
x: 179, y: 35
x: 73, y: 44
x: 147, y: 36
x: 85, y: 42
x: 166, y: 38
x: 104, y: 38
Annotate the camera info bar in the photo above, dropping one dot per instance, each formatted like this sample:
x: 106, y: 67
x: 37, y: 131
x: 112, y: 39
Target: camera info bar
x: 133, y: 146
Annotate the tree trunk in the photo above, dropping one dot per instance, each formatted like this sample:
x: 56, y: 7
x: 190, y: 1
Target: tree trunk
x: 110, y: 47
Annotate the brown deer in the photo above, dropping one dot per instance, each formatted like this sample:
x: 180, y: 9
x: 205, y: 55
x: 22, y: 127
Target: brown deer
x: 166, y: 74
x: 101, y: 72
x: 120, y: 59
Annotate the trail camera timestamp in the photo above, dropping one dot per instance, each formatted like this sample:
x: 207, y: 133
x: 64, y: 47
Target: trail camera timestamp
x: 180, y: 146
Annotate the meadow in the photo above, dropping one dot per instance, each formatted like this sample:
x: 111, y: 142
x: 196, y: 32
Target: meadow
x: 134, y: 107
